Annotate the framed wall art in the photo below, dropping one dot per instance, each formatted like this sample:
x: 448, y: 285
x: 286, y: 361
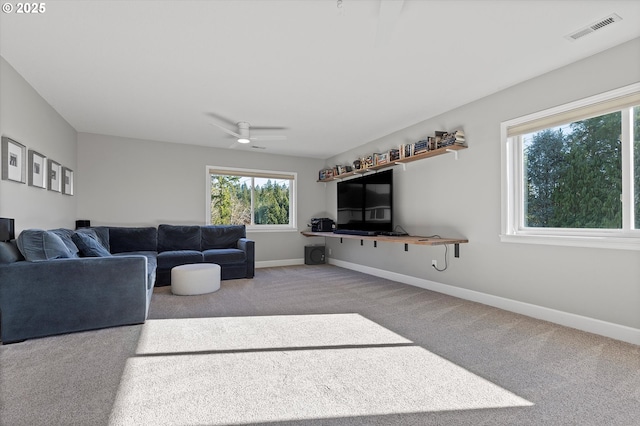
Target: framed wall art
x: 67, y: 181
x: 37, y: 169
x: 13, y: 160
x: 55, y: 176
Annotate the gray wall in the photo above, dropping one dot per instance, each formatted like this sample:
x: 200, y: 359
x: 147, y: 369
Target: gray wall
x: 28, y: 119
x: 462, y: 198
x: 132, y: 182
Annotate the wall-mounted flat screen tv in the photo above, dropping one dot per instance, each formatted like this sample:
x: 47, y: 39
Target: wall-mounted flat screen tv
x: 366, y: 203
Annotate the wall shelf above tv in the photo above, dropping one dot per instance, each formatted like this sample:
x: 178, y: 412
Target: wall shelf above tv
x: 434, y: 153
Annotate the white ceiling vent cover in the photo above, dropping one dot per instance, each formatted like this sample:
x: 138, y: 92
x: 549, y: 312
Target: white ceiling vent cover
x: 604, y: 22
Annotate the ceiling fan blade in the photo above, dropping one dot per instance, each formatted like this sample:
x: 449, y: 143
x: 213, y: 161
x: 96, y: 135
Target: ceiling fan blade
x: 268, y: 138
x: 269, y: 128
x: 222, y: 118
x: 224, y: 129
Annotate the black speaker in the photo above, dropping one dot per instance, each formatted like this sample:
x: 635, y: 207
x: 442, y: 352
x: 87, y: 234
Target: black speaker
x: 83, y: 223
x: 313, y: 255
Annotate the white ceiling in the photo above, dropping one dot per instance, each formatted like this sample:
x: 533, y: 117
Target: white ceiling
x: 156, y: 69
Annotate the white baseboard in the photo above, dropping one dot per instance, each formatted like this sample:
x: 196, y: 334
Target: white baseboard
x: 591, y: 325
x: 283, y: 262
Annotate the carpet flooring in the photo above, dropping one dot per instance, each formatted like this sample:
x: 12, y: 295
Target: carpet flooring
x: 321, y: 345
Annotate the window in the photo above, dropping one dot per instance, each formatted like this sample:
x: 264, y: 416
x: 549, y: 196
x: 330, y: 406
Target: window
x: 571, y: 175
x: 261, y: 200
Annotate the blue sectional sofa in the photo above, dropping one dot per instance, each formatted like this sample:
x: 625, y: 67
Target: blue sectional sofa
x: 62, y: 281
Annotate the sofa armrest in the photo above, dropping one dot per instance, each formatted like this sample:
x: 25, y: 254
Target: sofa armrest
x: 65, y: 295
x: 249, y: 247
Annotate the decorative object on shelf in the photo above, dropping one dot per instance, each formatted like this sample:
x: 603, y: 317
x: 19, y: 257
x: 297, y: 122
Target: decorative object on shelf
x: 340, y: 170
x: 380, y: 158
x: 67, y: 181
x: 432, y: 143
x: 453, y: 138
x: 13, y: 160
x: 37, y: 169
x: 7, y: 229
x: 420, y: 147
x: 368, y: 161
x: 406, y: 150
x: 55, y: 176
x: 394, y: 154
x: 357, y: 165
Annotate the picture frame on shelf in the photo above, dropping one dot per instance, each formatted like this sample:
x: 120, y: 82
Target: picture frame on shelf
x: 37, y: 169
x: 67, y: 181
x: 13, y: 160
x: 54, y: 181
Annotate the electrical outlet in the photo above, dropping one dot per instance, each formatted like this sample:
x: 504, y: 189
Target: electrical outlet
x: 434, y: 263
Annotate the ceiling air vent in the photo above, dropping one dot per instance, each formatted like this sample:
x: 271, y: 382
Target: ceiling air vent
x: 593, y: 27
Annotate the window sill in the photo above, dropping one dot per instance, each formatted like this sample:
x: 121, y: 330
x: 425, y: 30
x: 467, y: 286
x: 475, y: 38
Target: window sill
x: 271, y: 229
x: 606, y: 242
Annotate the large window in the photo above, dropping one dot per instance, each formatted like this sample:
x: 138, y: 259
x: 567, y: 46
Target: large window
x: 261, y: 200
x: 571, y: 175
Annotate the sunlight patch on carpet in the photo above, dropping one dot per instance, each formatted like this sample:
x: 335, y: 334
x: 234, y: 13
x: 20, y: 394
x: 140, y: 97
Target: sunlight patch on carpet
x: 223, y: 371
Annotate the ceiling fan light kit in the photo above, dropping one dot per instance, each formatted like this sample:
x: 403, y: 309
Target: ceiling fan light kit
x: 243, y: 135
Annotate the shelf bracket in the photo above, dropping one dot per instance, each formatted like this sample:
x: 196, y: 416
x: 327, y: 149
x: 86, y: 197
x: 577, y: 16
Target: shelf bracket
x: 456, y: 250
x: 361, y: 242
x: 455, y: 153
x: 406, y: 247
x: 375, y: 244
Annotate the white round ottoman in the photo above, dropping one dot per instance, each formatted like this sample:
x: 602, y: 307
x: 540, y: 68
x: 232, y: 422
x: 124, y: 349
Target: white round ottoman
x: 196, y: 278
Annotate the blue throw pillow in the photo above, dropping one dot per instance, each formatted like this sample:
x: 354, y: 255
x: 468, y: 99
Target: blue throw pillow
x: 37, y: 245
x: 89, y: 246
x: 65, y: 236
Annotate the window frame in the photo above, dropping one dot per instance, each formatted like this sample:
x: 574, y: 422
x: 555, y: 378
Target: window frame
x: 513, y: 180
x: 269, y: 174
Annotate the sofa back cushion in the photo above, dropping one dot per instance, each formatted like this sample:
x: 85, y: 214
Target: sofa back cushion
x: 38, y: 245
x: 221, y: 236
x: 176, y: 237
x: 89, y: 245
x: 123, y: 239
x: 9, y: 252
x: 65, y: 235
x: 102, y: 232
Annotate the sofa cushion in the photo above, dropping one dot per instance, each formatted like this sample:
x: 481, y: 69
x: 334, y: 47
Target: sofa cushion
x: 102, y: 232
x: 122, y: 239
x: 175, y: 237
x: 65, y: 235
x: 221, y: 236
x: 9, y: 252
x: 38, y: 245
x: 169, y: 259
x: 89, y: 245
x: 224, y: 256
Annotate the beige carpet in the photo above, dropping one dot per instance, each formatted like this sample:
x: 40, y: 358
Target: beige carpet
x: 321, y: 345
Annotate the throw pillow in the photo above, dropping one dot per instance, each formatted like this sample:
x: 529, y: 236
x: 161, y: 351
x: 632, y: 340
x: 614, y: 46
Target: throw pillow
x: 89, y: 245
x: 65, y: 236
x: 38, y: 245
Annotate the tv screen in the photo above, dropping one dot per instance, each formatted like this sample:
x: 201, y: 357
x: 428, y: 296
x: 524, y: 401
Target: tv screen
x: 366, y: 203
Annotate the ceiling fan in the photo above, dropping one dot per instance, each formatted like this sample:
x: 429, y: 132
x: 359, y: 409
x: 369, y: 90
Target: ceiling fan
x: 243, y: 132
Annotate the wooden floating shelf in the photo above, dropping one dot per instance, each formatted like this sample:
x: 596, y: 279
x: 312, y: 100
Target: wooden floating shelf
x: 406, y: 239
x: 422, y: 156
